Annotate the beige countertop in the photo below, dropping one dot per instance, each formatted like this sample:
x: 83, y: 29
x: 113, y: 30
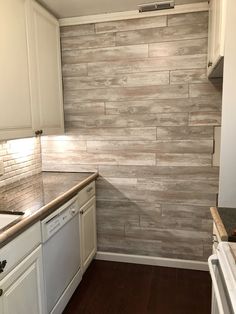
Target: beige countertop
x: 38, y: 196
x: 225, y: 221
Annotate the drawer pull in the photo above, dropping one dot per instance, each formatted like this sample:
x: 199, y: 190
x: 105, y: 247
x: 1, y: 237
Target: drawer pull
x: 89, y: 189
x: 2, y: 265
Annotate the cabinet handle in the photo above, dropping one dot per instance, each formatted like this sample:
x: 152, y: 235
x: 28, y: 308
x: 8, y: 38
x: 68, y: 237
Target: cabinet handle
x: 1, y: 292
x: 209, y: 64
x: 81, y: 212
x: 2, y: 265
x: 38, y: 132
x: 89, y: 189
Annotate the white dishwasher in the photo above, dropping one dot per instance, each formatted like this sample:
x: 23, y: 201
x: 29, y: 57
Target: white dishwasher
x: 61, y: 255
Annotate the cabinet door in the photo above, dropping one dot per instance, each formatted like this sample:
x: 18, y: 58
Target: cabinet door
x: 216, y: 39
x: 47, y: 71
x: 22, y: 287
x: 15, y: 97
x: 88, y: 233
x: 219, y: 12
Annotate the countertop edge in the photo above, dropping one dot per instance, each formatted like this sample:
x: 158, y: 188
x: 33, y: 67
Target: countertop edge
x: 219, y: 224
x: 44, y: 211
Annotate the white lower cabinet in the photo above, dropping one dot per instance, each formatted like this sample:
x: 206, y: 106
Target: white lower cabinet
x: 22, y: 288
x: 88, y: 232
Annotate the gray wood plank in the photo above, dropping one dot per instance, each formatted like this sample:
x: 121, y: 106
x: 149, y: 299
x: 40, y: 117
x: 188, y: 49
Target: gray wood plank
x: 77, y: 30
x: 104, y: 54
x: 74, y: 70
x: 147, y: 65
x: 88, y: 41
x: 84, y: 158
x: 151, y: 247
x: 177, y: 186
x: 110, y: 226
x: 210, y: 103
x: 84, y: 108
x: 128, y: 246
x: 185, y: 132
x: 186, y: 211
x: 178, y: 48
x: 161, y: 34
x: 128, y: 93
x: 187, y: 224
x: 154, y: 233
x: 205, y: 118
x: 148, y: 106
x: 189, y: 76
x: 64, y: 146
x: 106, y: 191
x: 163, y: 173
x: 49, y: 165
x: 110, y: 207
x: 190, y: 146
x: 191, y: 160
x: 133, y: 24
x: 126, y: 121
x: 188, y: 18
x: 116, y: 134
x: 125, y: 80
x: 205, y: 89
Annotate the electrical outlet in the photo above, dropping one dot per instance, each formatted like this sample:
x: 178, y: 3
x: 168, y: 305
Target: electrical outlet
x: 1, y: 168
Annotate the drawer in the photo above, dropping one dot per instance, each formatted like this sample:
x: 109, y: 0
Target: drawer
x: 85, y: 194
x: 16, y: 250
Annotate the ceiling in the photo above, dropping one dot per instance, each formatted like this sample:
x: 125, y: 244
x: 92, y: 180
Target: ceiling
x: 72, y: 8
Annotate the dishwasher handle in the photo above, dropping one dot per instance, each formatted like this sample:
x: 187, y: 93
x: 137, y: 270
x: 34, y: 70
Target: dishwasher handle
x: 212, y: 262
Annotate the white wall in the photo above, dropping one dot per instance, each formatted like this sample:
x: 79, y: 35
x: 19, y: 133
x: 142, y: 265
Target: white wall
x: 227, y: 192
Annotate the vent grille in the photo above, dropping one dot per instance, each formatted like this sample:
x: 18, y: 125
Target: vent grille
x: 163, y: 5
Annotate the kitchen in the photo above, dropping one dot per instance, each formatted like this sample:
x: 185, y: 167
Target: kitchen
x: 115, y: 142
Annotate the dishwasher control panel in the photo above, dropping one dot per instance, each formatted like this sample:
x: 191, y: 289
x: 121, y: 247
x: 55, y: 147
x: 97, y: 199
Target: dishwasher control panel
x: 60, y: 217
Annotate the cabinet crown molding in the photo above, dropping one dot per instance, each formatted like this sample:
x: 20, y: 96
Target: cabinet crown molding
x: 117, y: 16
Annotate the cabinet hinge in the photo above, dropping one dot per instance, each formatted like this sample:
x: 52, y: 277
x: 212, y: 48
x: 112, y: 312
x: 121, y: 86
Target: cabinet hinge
x: 214, y: 146
x: 217, y: 199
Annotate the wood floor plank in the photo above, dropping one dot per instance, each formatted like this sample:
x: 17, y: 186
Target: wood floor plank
x: 121, y: 288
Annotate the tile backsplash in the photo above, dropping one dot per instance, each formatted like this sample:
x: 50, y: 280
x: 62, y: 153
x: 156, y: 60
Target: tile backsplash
x: 20, y: 158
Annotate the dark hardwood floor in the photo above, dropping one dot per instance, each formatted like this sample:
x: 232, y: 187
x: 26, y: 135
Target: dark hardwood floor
x: 121, y: 288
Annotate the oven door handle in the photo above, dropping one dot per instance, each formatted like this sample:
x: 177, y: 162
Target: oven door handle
x: 212, y: 261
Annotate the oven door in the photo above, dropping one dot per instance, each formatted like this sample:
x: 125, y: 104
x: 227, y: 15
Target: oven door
x: 220, y: 297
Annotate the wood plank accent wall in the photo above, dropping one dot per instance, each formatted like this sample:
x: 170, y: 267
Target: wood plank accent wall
x: 140, y: 109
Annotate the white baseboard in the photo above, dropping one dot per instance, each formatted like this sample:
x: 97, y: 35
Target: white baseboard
x: 151, y: 260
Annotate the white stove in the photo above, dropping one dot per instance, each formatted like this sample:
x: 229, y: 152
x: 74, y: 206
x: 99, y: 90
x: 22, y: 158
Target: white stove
x: 222, y: 267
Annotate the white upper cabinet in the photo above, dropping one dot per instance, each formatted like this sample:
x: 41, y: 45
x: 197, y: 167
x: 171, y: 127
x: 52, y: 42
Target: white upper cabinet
x: 30, y: 71
x: 46, y: 71
x: 216, y: 44
x: 15, y: 96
